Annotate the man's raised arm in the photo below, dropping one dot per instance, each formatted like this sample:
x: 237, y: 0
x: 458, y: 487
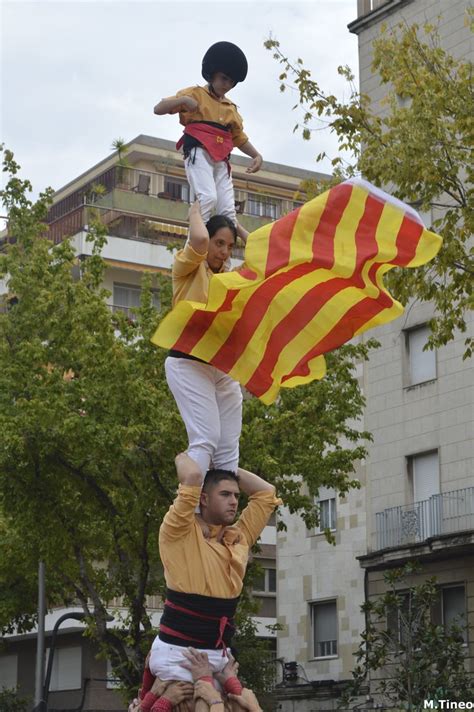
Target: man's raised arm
x: 250, y: 483
x: 262, y: 503
x: 179, y: 520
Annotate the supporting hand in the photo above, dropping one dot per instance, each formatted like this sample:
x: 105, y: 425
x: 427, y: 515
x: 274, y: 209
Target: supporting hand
x: 179, y: 691
x: 230, y: 670
x: 198, y: 663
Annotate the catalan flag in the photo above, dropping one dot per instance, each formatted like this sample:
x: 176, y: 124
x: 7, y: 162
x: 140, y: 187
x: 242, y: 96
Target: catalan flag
x: 311, y: 281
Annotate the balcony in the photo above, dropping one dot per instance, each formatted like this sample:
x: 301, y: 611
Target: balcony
x: 157, y: 196
x: 120, y: 224
x: 442, y: 514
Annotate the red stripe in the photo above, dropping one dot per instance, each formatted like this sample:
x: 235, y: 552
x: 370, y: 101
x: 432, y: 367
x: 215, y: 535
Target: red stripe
x: 177, y: 634
x: 365, y: 236
x: 323, y: 239
x: 192, y: 613
x: 278, y: 254
x: 257, y: 306
x: 407, y: 241
x: 247, y: 273
x: 200, y: 322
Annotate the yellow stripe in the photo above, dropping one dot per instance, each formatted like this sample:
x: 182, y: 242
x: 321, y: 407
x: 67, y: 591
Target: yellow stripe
x: 345, y: 249
x: 387, y: 231
x: 256, y: 250
x: 317, y: 369
x: 307, y: 222
x: 428, y: 246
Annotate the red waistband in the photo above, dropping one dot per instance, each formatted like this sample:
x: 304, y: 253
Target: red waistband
x: 217, y: 141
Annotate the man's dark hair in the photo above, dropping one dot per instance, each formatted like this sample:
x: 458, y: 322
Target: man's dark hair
x: 213, y: 477
x: 218, y: 221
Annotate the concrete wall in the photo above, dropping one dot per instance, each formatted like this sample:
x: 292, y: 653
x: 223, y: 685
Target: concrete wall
x: 311, y: 570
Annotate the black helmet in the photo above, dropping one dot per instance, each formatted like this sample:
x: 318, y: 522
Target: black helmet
x: 227, y: 58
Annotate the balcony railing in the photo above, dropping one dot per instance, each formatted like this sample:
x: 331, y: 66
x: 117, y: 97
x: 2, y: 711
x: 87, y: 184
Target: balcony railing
x: 121, y: 224
x: 444, y: 513
x: 166, y: 186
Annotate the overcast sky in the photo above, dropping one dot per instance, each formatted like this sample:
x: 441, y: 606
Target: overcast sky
x: 77, y: 75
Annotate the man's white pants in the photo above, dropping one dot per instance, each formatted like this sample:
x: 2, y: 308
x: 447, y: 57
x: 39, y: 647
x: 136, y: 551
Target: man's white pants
x: 166, y: 661
x: 210, y: 403
x: 212, y: 184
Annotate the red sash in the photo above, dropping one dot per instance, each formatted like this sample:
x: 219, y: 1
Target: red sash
x: 217, y: 142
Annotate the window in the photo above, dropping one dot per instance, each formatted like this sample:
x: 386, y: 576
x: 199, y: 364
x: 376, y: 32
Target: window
x: 327, y: 509
x: 67, y: 669
x: 422, y: 519
x: 453, y: 604
x: 176, y: 190
x: 127, y: 297
x: 324, y: 627
x: 424, y: 470
x: 404, y: 623
x: 421, y: 364
x: 263, y: 206
x: 8, y: 671
x: 265, y: 582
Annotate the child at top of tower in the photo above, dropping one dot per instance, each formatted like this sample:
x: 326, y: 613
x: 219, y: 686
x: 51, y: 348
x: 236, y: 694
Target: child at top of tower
x: 212, y: 128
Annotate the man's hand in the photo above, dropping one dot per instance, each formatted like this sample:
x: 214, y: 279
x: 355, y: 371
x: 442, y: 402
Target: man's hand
x: 255, y: 165
x: 189, y: 472
x: 230, y: 670
x: 246, y: 701
x: 177, y: 692
x: 198, y: 663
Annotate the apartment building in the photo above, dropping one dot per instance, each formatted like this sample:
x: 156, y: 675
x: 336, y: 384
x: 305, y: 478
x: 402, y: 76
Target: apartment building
x: 416, y: 500
x: 143, y: 199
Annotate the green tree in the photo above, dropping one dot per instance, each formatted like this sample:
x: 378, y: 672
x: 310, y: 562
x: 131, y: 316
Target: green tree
x: 90, y: 432
x: 420, y: 146
x: 89, y: 435
x: 407, y: 655
x: 11, y: 702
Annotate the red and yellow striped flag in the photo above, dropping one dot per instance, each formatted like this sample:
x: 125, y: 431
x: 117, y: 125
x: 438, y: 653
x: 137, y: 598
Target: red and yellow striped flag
x: 312, y: 280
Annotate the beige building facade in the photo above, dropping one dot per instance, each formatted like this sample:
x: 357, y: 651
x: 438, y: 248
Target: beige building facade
x: 416, y: 500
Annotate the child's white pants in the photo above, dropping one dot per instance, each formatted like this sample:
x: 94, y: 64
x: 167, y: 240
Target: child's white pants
x: 210, y: 403
x: 211, y: 183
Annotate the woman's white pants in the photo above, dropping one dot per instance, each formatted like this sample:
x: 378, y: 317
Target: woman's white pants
x: 210, y: 404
